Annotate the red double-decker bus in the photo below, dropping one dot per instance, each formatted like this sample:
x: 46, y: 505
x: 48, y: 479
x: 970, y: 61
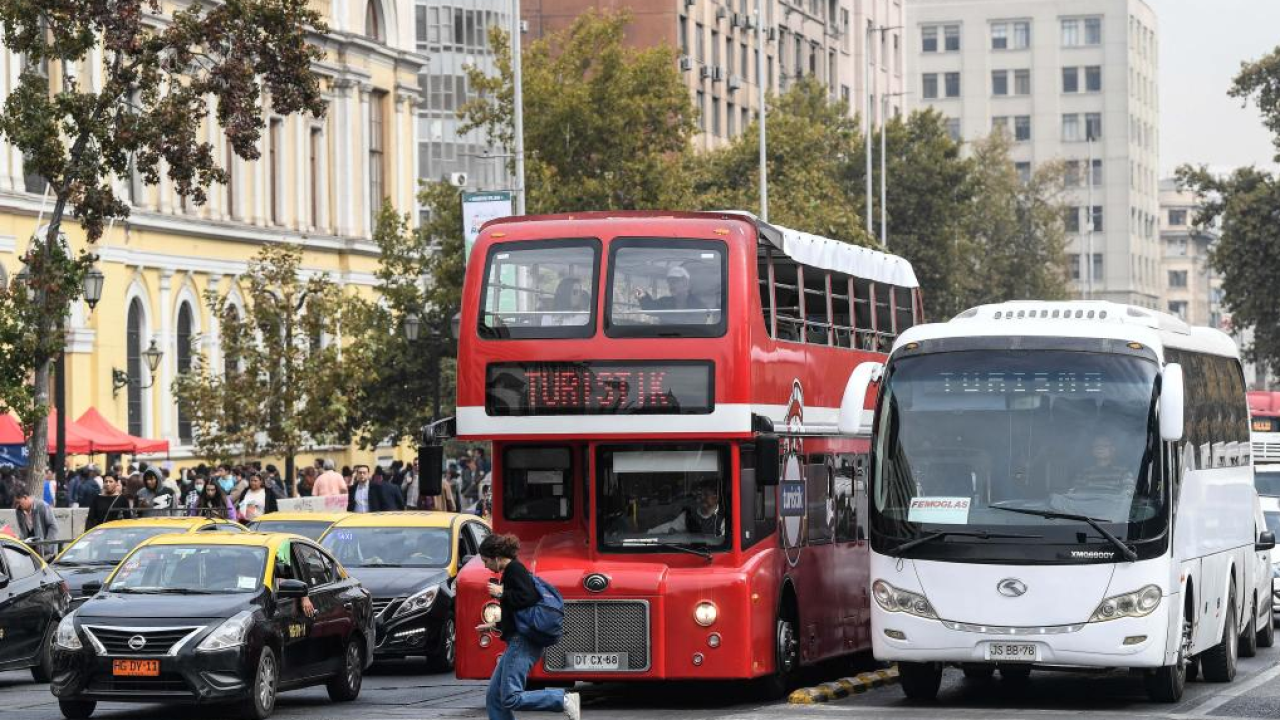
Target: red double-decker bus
x: 663, y: 395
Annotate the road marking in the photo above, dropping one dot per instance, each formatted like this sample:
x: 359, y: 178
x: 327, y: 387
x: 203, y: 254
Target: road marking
x: 844, y: 687
x: 1232, y: 692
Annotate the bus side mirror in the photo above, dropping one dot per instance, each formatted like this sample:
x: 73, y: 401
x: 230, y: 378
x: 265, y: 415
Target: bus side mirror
x: 768, y: 460
x: 854, y: 418
x: 1266, y: 541
x: 430, y: 469
x: 1172, y: 403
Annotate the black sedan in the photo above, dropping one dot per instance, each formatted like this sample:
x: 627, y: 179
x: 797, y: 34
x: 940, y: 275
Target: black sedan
x: 209, y: 618
x: 32, y: 601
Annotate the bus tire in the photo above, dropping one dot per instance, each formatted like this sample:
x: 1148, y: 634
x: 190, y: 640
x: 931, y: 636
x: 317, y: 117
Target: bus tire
x: 786, y: 659
x: 920, y: 681
x: 1249, y: 638
x: 1218, y: 663
x: 1267, y: 634
x: 1166, y: 684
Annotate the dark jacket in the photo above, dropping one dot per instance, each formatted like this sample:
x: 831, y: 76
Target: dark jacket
x: 106, y: 508
x: 383, y: 496
x: 518, y: 593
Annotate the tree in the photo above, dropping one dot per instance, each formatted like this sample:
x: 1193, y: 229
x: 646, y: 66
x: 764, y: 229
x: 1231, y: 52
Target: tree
x: 812, y: 144
x: 285, y: 382
x: 143, y: 114
x: 1247, y: 254
x: 1260, y: 81
x: 1014, y: 239
x: 605, y: 125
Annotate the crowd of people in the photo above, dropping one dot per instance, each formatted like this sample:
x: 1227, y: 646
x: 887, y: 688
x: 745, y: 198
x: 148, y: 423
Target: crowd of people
x: 238, y: 492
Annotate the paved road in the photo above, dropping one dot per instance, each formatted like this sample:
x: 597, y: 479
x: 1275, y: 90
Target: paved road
x: 403, y: 691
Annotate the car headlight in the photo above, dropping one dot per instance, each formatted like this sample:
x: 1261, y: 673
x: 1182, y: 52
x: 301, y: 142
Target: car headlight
x: 66, y: 636
x: 893, y: 599
x: 229, y: 634
x: 418, y: 602
x: 1138, y: 603
x: 705, y: 613
x: 491, y: 613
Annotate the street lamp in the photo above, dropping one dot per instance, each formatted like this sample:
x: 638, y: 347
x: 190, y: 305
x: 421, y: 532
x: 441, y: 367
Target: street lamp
x: 92, y: 287
x: 121, y: 379
x: 412, y: 326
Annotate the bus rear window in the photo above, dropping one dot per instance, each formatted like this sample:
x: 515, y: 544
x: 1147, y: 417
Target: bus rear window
x: 666, y: 288
x: 540, y: 289
x: 537, y: 483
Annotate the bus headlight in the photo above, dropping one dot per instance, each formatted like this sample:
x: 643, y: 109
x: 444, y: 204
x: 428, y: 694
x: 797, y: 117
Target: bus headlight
x: 1138, y: 603
x: 66, y: 637
x: 705, y: 613
x: 893, y: 599
x: 491, y: 613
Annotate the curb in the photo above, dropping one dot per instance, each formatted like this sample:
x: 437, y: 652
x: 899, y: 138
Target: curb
x: 844, y: 687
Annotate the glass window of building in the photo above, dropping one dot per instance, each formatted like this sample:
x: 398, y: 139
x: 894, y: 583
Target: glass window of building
x: 953, y: 84
x: 951, y: 34
x: 1021, y: 82
x: 999, y: 82
x: 1022, y: 128
x: 930, y: 86
x: 1093, y: 78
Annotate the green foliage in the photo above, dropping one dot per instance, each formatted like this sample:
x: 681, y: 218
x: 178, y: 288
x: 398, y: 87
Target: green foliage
x: 285, y: 382
x: 1247, y: 255
x: 143, y: 114
x: 604, y: 124
x: 1260, y: 80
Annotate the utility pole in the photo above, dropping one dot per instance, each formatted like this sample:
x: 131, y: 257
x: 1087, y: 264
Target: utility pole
x: 761, y: 81
x: 516, y: 63
x: 1089, y: 212
x: 870, y: 87
x: 884, y: 169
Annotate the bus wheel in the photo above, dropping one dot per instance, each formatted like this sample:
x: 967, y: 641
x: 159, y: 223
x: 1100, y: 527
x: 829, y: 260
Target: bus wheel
x: 1249, y: 638
x: 786, y: 660
x: 1166, y: 684
x: 1218, y: 663
x: 920, y: 681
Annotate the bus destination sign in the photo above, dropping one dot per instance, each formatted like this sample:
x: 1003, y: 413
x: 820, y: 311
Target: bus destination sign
x: 600, y: 388
x: 1266, y: 424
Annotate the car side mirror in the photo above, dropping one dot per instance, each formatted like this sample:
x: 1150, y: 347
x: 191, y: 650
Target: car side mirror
x: 291, y: 590
x: 4, y: 580
x: 1266, y: 541
x: 91, y: 588
x: 1172, y: 403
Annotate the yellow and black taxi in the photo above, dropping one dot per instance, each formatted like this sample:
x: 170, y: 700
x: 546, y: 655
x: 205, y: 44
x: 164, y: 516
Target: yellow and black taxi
x: 211, y: 618
x: 307, y: 524
x: 33, y: 600
x: 92, y: 556
x: 409, y: 561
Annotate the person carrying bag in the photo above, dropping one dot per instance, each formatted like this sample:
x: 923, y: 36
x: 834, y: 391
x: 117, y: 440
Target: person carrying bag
x: 532, y: 620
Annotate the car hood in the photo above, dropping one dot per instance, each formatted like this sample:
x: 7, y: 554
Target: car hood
x: 162, y: 609
x: 397, y: 582
x: 77, y: 575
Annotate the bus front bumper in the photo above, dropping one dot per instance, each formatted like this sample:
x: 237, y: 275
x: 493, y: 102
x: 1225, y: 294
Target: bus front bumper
x: 1123, y: 643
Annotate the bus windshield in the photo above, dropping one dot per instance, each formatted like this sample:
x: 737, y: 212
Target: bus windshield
x: 972, y: 440
x: 664, y: 498
x: 666, y: 288
x: 1266, y: 478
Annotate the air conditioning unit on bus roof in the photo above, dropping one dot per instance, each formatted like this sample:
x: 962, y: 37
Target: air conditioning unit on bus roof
x: 1095, y: 310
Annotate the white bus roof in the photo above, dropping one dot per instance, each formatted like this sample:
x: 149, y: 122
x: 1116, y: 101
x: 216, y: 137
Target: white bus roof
x: 1076, y: 318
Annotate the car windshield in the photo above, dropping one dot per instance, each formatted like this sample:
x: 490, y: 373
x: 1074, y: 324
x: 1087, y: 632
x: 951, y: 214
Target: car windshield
x: 656, y: 496
x: 667, y: 288
x: 540, y: 289
x: 312, y: 529
x: 191, y: 569
x: 389, y: 546
x: 108, y: 546
x: 1267, y: 481
x: 965, y: 436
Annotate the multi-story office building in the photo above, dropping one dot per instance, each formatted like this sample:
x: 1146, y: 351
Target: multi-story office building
x: 716, y: 42
x: 1071, y: 81
x: 318, y: 183
x: 1190, y: 289
x: 455, y: 35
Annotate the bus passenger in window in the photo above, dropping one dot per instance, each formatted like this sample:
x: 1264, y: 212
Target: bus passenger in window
x: 571, y: 305
x: 681, y: 298
x: 705, y: 519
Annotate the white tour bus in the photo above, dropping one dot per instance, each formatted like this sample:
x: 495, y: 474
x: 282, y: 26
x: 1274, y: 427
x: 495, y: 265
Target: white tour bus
x: 1062, y: 484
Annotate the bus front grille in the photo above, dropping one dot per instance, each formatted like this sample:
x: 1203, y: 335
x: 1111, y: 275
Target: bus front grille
x: 602, y: 626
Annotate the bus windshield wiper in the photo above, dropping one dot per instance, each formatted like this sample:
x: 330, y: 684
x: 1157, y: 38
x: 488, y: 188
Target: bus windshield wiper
x: 701, y: 551
x: 1129, y: 553
x: 959, y: 533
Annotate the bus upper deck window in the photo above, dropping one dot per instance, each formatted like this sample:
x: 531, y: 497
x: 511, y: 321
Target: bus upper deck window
x: 540, y: 289
x: 667, y: 288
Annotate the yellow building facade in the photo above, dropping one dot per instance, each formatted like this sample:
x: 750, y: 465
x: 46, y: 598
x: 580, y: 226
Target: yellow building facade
x: 318, y: 183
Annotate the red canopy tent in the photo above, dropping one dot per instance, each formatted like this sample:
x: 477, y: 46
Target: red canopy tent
x: 105, y: 433
x: 79, y: 442
x: 11, y: 431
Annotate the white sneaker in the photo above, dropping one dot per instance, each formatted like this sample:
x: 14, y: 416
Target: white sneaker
x: 572, y: 706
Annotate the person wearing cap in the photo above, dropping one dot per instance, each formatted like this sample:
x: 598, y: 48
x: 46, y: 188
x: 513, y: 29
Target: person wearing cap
x: 681, y: 298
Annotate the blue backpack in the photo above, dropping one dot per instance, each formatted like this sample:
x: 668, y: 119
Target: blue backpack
x: 542, y: 624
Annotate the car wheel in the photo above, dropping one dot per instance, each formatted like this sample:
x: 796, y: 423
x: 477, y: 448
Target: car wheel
x: 920, y: 681
x: 1249, y: 638
x: 266, y: 681
x: 345, y: 686
x: 77, y: 709
x: 1218, y: 663
x: 1267, y: 634
x: 442, y: 659
x: 42, y: 671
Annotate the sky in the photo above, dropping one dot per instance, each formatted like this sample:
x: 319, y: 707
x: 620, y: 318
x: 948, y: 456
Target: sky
x: 1202, y: 43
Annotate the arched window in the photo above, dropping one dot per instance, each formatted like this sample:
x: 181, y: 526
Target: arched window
x: 230, y: 358
x: 184, y: 366
x: 133, y: 341
x: 373, y: 21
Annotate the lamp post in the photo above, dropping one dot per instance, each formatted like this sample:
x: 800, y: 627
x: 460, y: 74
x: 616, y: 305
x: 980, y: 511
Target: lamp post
x: 122, y: 379
x: 91, y: 287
